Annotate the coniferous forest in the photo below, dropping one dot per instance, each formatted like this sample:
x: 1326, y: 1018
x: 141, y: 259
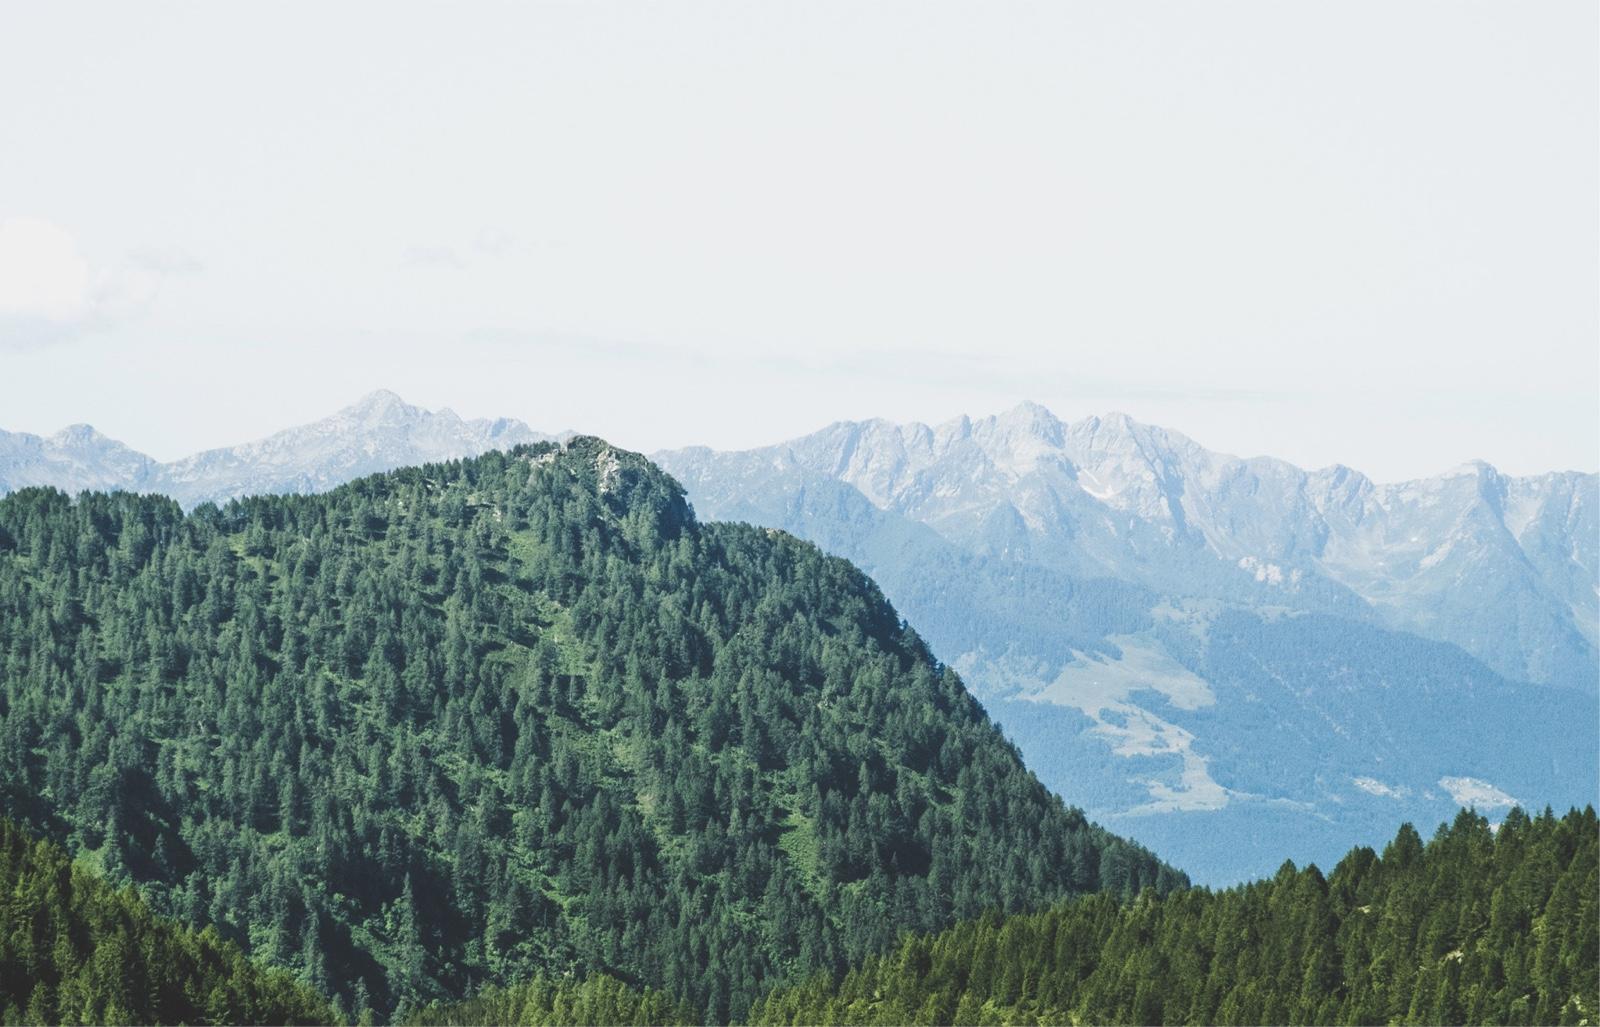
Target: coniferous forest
x: 1476, y: 925
x: 455, y: 726
x: 74, y: 950
x: 517, y: 739
x: 1473, y: 926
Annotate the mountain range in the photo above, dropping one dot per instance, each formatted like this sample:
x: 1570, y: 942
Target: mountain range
x: 379, y: 433
x: 1505, y: 567
x: 1231, y: 660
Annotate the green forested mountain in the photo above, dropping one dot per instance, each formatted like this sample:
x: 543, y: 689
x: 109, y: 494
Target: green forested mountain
x: 75, y: 950
x: 1476, y: 926
x: 458, y: 725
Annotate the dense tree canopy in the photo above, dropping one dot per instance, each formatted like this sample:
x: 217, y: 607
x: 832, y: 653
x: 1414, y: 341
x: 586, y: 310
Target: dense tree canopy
x: 595, y: 1001
x: 459, y: 725
x: 1476, y: 926
x: 75, y: 950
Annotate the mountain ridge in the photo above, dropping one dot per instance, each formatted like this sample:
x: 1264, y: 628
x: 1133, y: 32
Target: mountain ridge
x: 378, y: 432
x: 1254, y: 529
x: 1337, y: 471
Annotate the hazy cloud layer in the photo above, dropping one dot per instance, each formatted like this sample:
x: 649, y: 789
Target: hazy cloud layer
x: 1358, y: 232
x: 50, y: 292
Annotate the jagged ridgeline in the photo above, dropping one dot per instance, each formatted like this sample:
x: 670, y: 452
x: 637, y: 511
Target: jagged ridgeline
x: 458, y: 725
x: 75, y: 950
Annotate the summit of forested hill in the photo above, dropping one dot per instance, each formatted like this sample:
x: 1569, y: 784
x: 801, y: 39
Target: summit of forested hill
x: 465, y: 724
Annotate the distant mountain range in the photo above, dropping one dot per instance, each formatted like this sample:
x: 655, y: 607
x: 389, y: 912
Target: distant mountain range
x: 1231, y: 660
x: 379, y: 433
x: 1504, y: 567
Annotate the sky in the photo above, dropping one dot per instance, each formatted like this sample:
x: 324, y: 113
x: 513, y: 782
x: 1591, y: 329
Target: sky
x: 1364, y: 233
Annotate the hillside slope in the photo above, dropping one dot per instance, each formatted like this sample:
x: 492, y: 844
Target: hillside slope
x: 1475, y: 926
x: 457, y: 725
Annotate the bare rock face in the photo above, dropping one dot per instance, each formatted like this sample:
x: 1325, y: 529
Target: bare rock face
x: 74, y: 459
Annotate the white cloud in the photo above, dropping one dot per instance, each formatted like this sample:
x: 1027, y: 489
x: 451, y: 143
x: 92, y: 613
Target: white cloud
x: 42, y: 274
x: 1372, y: 786
x: 49, y: 291
x: 1470, y: 791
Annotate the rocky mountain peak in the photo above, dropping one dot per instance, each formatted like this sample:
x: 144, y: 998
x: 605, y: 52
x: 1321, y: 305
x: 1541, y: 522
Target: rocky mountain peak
x: 381, y: 407
x: 78, y: 435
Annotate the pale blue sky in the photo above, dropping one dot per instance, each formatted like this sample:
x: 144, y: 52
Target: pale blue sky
x: 1354, y: 232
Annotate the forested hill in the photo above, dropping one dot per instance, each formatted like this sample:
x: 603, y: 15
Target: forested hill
x: 75, y: 950
x: 1476, y: 926
x: 461, y: 724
